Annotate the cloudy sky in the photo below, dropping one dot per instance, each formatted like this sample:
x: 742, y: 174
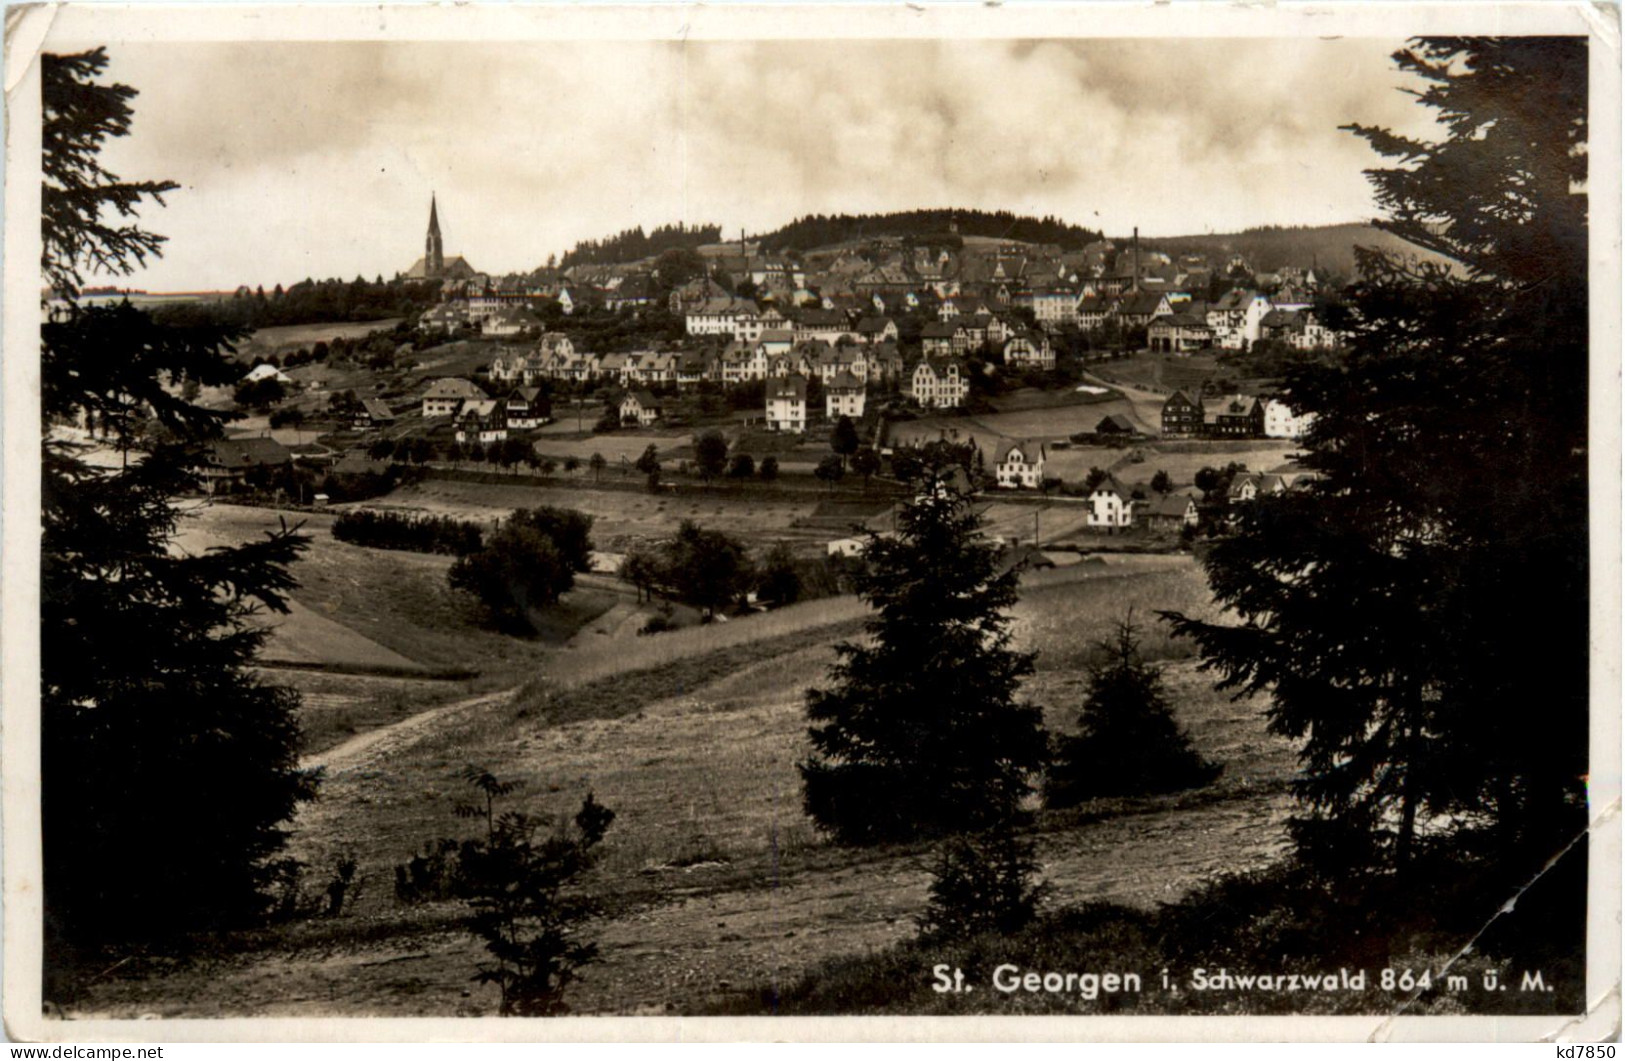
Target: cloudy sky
x: 300, y: 159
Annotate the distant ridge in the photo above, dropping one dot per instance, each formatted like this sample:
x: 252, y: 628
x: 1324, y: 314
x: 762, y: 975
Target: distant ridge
x: 1328, y: 247
x: 823, y: 230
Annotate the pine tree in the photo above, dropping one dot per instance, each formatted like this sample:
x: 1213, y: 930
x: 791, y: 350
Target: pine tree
x: 1392, y: 609
x: 920, y: 732
x: 1129, y: 743
x: 160, y: 751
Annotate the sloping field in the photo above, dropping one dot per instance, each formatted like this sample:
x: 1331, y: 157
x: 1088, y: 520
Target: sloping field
x: 714, y: 880
x: 293, y: 336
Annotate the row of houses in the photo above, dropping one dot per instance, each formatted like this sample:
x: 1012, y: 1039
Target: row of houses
x: 1231, y: 416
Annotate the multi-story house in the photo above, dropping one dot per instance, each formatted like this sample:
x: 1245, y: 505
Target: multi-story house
x: 844, y: 396
x: 1111, y: 505
x: 1019, y: 465
x: 447, y: 394
x: 939, y: 383
x: 787, y: 404
x: 1182, y: 416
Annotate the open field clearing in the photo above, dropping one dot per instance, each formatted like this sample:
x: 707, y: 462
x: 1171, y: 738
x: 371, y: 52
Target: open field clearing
x: 1182, y: 460
x: 287, y: 337
x: 714, y: 881
x: 617, y: 514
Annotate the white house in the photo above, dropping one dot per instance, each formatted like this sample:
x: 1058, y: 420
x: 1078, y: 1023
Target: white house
x: 640, y: 407
x: 263, y: 372
x: 939, y: 384
x: 1237, y: 319
x: 787, y: 404
x: 1029, y: 350
x: 843, y: 396
x: 1019, y: 465
x: 447, y: 394
x: 1281, y: 422
x: 1111, y: 505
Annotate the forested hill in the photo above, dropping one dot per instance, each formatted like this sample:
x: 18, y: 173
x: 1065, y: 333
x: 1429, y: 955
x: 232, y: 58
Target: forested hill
x: 819, y: 230
x: 1330, y: 248
x: 634, y: 243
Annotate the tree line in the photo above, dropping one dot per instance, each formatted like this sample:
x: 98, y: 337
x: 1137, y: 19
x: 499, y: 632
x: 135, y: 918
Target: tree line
x: 418, y: 534
x: 307, y: 302
x: 634, y: 244
x: 820, y: 230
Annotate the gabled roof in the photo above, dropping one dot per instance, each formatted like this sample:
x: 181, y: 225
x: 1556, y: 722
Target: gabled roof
x: 787, y: 388
x: 643, y: 398
x: 1141, y: 302
x: 1176, y: 505
x: 453, y: 387
x: 872, y: 325
x: 1029, y: 450
x: 376, y: 409
x: 939, y: 330
x: 1115, y: 422
x: 846, y: 381
x: 1112, y: 485
x: 249, y: 452
x: 821, y: 318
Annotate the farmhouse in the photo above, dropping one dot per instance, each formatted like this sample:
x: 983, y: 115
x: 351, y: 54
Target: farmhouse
x: 1233, y: 416
x: 228, y: 460
x: 1111, y: 505
x: 640, y: 407
x: 787, y: 404
x: 447, y: 394
x: 1115, y: 424
x: 482, y: 421
x: 374, y: 413
x: 1181, y: 416
x: 1172, y: 512
x: 1019, y: 465
x: 525, y: 408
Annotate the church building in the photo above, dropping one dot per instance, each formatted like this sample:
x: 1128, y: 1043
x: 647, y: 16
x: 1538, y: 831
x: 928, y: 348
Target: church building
x: 434, y: 265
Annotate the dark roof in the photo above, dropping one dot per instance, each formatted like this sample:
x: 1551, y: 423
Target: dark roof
x: 791, y: 387
x: 1029, y: 450
x: 376, y: 409
x: 1115, y: 422
x: 939, y: 330
x: 249, y: 452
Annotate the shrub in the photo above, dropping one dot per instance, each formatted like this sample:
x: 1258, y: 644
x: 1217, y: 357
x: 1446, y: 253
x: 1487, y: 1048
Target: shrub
x: 1129, y: 744
x: 982, y: 883
x: 419, y: 534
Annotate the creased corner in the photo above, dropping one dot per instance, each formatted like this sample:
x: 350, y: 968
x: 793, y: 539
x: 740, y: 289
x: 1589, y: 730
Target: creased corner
x: 27, y: 26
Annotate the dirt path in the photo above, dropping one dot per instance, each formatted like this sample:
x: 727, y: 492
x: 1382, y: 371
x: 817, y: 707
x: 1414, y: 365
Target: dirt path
x: 1145, y: 407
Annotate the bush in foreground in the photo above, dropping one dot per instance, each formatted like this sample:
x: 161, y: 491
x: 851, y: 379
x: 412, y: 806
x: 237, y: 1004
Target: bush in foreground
x: 1129, y: 744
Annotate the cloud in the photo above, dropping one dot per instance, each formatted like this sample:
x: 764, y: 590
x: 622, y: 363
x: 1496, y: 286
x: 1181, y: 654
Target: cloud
x: 300, y: 158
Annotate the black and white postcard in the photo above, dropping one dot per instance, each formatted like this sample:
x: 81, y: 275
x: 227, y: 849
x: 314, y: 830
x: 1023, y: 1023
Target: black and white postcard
x: 721, y: 521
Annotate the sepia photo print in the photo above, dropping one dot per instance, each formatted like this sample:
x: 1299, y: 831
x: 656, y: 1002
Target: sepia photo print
x: 750, y: 517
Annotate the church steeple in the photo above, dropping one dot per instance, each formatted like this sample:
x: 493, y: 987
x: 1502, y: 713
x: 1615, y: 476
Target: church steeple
x: 434, y: 253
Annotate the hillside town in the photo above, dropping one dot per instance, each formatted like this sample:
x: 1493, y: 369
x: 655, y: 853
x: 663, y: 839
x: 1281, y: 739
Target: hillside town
x: 884, y: 333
